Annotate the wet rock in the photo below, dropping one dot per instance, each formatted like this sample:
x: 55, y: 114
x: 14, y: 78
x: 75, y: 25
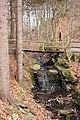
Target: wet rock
x: 53, y: 71
x: 59, y: 100
x: 64, y: 112
x: 36, y: 67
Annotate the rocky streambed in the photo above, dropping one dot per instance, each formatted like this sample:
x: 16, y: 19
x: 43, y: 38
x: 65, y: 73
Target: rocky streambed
x: 55, y: 87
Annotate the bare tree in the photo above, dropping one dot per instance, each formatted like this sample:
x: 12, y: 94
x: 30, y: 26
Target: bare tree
x: 19, y: 41
x: 4, y: 55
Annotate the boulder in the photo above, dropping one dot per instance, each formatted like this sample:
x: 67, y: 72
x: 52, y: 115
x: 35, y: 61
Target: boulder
x: 36, y: 67
x: 53, y: 71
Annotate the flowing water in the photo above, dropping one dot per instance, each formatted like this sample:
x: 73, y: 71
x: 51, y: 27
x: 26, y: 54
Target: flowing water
x: 47, y: 78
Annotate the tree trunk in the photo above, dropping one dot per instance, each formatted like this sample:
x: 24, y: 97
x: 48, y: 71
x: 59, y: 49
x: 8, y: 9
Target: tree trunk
x: 12, y: 19
x: 4, y: 55
x: 19, y: 41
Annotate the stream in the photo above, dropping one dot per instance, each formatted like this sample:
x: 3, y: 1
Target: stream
x: 50, y: 88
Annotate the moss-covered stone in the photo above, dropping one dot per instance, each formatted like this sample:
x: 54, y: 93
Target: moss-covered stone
x: 65, y: 112
x: 66, y: 74
x: 62, y: 63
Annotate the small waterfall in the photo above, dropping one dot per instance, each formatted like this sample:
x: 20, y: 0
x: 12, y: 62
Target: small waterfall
x: 41, y: 75
x: 47, y: 78
x: 44, y: 79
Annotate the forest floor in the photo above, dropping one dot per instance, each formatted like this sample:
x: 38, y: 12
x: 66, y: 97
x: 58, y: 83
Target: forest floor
x: 23, y: 106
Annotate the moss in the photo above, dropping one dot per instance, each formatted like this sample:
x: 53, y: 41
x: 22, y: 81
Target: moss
x: 66, y: 73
